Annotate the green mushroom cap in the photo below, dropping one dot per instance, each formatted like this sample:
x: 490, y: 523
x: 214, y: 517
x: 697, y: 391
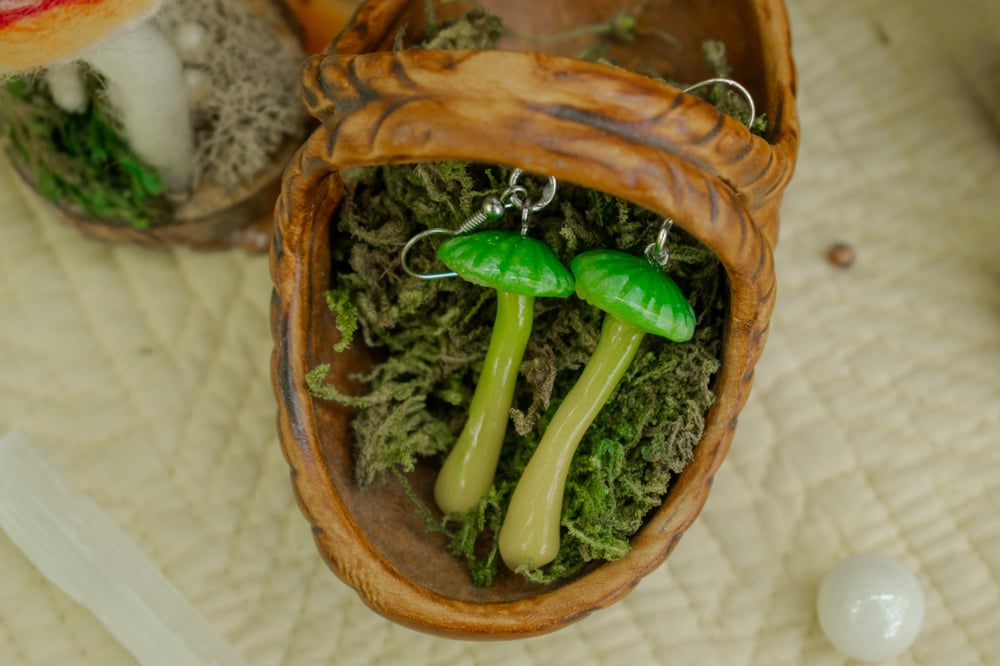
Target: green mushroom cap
x: 634, y: 290
x: 507, y: 261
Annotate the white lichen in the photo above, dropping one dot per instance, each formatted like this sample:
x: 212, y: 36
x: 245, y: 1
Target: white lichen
x: 250, y: 105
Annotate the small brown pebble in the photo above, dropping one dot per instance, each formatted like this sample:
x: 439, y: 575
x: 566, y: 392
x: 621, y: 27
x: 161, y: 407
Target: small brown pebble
x: 841, y: 255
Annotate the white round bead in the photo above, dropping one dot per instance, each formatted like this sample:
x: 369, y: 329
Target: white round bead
x: 493, y: 208
x: 870, y: 607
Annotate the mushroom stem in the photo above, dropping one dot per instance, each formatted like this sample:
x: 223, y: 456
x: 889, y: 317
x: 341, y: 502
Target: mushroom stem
x: 66, y: 87
x: 145, y: 83
x: 468, y: 470
x: 530, y: 532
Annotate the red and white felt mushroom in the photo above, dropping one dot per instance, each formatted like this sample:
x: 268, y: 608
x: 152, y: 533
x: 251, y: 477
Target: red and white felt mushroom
x: 141, y: 70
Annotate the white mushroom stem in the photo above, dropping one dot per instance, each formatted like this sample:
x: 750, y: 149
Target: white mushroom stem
x: 66, y: 87
x: 145, y: 84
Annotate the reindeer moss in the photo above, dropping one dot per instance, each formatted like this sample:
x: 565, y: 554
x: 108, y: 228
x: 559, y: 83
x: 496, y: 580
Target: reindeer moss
x: 436, y: 332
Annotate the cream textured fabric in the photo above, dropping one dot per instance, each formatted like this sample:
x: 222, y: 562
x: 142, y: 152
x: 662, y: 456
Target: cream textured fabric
x: 874, y: 423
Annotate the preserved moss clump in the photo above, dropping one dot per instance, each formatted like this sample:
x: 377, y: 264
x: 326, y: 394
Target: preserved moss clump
x: 435, y: 334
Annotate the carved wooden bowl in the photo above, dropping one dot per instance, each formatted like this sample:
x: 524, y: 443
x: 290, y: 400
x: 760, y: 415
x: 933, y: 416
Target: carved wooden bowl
x: 589, y: 124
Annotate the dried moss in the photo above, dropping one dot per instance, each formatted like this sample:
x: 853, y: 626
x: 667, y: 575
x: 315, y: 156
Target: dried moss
x: 436, y: 334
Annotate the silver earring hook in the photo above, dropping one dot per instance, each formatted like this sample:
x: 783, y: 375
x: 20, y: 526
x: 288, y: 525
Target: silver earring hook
x: 656, y: 252
x: 515, y: 196
x: 404, y: 255
x: 519, y: 198
x: 732, y: 84
x: 492, y: 209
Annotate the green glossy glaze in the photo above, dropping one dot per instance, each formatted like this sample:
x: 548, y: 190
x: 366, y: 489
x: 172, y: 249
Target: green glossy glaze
x: 635, y: 291
x: 507, y: 261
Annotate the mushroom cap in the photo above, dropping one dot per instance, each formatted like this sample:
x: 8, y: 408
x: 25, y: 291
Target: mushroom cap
x: 507, y: 261
x: 35, y: 33
x: 634, y: 290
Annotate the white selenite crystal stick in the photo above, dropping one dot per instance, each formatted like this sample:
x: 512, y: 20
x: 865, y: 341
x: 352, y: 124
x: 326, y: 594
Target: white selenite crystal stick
x: 74, y: 543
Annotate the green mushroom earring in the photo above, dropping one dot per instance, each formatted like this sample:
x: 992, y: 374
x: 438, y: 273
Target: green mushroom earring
x: 520, y: 269
x: 639, y: 298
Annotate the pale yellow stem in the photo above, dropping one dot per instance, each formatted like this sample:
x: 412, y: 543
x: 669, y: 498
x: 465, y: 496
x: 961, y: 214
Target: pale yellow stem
x: 530, y: 532
x: 468, y: 471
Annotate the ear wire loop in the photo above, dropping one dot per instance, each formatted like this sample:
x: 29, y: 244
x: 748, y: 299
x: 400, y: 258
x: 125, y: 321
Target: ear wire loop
x: 732, y: 84
x: 656, y: 252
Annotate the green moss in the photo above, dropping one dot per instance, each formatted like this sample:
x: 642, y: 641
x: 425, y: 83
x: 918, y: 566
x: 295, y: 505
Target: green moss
x: 339, y: 302
x: 79, y: 160
x: 437, y: 332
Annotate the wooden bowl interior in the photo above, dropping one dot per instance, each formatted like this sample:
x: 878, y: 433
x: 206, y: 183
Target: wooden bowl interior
x: 212, y: 219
